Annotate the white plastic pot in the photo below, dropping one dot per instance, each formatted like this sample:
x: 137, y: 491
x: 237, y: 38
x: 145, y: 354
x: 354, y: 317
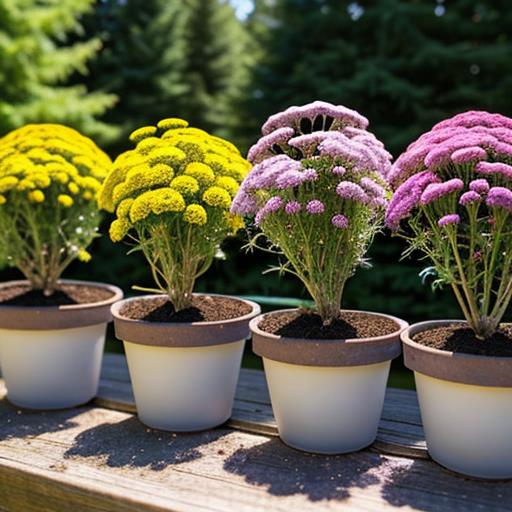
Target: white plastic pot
x: 51, y: 355
x: 466, y: 406
x: 327, y: 410
x: 184, y: 389
x: 184, y: 375
x: 327, y: 395
x: 52, y: 369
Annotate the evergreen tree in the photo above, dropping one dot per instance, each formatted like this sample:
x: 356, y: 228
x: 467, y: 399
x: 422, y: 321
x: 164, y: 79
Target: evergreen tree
x: 36, y: 60
x: 183, y: 58
x: 142, y: 60
x: 404, y: 64
x: 216, y: 64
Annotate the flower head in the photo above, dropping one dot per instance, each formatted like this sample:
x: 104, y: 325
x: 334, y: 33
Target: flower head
x: 315, y: 207
x: 447, y: 220
x: 340, y: 221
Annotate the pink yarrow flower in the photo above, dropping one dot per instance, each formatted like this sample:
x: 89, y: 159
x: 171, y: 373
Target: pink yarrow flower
x: 315, y: 207
x: 469, y: 154
x: 436, y: 191
x: 352, y: 191
x: 292, y: 207
x: 447, y: 220
x: 501, y: 168
x: 480, y: 186
x: 500, y: 197
x: 469, y: 197
x: 407, y: 197
x: 340, y: 221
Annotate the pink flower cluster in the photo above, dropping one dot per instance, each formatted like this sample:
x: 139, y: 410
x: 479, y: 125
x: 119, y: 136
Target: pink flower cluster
x: 465, y: 138
x: 304, y: 145
x: 472, y: 150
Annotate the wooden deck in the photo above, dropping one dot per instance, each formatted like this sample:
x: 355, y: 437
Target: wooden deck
x: 101, y: 458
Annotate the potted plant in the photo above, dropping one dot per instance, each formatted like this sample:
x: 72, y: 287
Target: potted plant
x: 453, y: 202
x: 318, y: 192
x: 172, y: 195
x: 52, y: 331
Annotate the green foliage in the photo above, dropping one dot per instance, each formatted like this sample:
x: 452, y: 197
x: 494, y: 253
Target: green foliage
x: 36, y: 60
x: 142, y: 60
x: 216, y: 65
x: 167, y: 57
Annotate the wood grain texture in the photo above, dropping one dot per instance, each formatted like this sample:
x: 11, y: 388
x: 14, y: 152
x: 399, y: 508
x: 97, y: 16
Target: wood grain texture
x: 400, y: 431
x: 95, y: 459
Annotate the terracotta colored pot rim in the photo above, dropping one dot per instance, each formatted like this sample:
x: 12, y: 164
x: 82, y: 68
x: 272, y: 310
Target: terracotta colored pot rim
x: 186, y: 334
x: 331, y: 353
x: 67, y: 316
x: 455, y: 367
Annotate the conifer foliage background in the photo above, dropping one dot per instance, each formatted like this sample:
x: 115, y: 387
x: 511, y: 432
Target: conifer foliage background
x: 37, y: 60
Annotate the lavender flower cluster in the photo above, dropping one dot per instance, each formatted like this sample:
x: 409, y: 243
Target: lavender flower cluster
x: 464, y: 160
x: 312, y: 157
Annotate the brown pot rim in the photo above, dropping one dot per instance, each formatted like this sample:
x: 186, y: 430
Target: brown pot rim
x: 68, y: 316
x: 328, y: 353
x: 458, y: 367
x: 182, y: 334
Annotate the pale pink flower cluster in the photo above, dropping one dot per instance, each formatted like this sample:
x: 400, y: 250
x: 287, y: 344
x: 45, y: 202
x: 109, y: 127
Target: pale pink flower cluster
x: 303, y: 143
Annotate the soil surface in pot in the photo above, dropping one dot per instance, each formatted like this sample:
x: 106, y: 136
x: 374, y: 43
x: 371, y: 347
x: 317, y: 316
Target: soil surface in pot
x: 204, y: 309
x: 66, y: 294
x: 461, y: 339
x: 307, y: 325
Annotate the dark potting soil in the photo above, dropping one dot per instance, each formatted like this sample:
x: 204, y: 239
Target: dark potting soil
x: 462, y: 339
x: 204, y: 309
x: 308, y: 325
x: 66, y: 294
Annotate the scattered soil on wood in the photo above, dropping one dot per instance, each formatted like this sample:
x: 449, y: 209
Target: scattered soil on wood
x: 66, y: 294
x: 307, y: 325
x: 204, y: 309
x: 461, y: 339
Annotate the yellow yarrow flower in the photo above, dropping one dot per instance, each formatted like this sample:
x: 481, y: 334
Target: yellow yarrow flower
x: 146, y: 145
x: 118, y: 229
x: 36, y: 196
x: 84, y: 256
x: 65, y: 200
x: 73, y: 188
x: 26, y: 184
x: 185, y: 185
x: 172, y: 165
x: 3, y: 199
x: 142, y: 133
x: 123, y: 210
x: 157, y: 201
x: 195, y: 214
x: 236, y: 222
x: 229, y: 183
x: 8, y: 183
x: 172, y: 123
x: 201, y: 172
x: 217, y: 197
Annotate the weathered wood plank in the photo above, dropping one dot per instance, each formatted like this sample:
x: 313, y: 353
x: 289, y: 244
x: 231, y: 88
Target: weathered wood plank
x: 91, y: 458
x: 400, y: 431
x: 101, y: 460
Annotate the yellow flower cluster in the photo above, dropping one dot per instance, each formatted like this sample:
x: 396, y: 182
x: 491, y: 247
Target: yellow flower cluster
x: 174, y: 170
x: 51, y: 162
